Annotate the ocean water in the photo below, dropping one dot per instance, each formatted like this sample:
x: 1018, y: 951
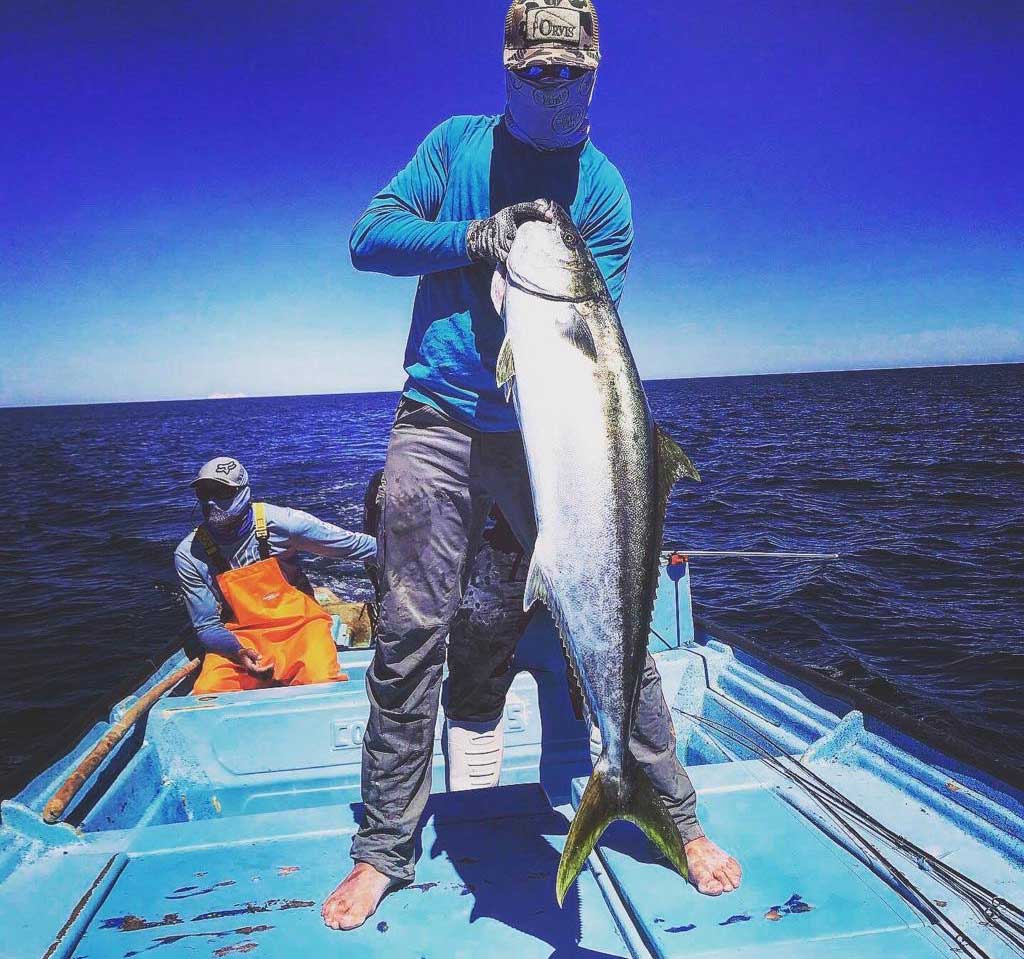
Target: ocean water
x: 916, y: 477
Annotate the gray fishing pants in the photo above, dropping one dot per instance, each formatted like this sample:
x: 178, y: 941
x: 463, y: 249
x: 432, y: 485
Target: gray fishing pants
x: 442, y: 479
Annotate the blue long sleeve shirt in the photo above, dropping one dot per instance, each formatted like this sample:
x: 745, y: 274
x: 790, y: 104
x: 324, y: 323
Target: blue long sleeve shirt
x: 469, y: 168
x: 291, y: 532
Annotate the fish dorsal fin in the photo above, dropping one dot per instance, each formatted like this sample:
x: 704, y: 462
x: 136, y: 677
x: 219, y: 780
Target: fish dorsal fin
x: 538, y: 590
x: 506, y: 367
x: 577, y: 331
x: 673, y: 465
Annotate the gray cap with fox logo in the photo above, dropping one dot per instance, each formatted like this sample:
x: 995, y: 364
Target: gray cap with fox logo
x: 223, y: 469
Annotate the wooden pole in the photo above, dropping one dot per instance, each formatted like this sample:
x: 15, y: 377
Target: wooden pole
x: 57, y: 806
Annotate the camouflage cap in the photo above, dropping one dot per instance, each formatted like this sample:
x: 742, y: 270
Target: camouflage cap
x: 552, y: 32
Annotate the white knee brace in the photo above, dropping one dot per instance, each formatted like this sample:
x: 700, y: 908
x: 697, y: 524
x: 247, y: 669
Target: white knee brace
x: 475, y: 751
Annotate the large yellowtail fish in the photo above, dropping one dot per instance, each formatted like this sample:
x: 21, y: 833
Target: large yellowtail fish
x: 600, y: 471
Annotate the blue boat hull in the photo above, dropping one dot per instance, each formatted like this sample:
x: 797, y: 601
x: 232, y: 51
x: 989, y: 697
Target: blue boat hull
x: 221, y: 823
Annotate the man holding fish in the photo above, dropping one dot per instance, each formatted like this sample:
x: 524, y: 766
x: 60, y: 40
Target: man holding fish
x: 457, y: 449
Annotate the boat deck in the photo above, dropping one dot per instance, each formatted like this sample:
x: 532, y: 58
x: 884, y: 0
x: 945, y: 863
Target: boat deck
x: 219, y: 826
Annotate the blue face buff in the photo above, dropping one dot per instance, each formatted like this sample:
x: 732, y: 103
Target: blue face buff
x: 229, y: 519
x: 549, y: 114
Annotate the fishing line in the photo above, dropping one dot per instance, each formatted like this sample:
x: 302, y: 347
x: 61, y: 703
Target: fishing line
x: 814, y: 782
x: 707, y: 681
x: 988, y: 910
x: 654, y: 632
x: 995, y: 912
x: 993, y: 905
x: 827, y: 797
x: 925, y: 859
x: 898, y: 879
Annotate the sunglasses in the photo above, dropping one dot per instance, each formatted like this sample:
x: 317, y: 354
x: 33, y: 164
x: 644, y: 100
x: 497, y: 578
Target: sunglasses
x: 551, y: 72
x: 211, y: 489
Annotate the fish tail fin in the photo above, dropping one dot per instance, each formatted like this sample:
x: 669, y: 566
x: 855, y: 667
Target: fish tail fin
x: 598, y: 809
x: 604, y: 800
x: 647, y: 810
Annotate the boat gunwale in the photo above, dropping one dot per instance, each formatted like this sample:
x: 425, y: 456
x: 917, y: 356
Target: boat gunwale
x: 995, y: 774
x: 82, y: 722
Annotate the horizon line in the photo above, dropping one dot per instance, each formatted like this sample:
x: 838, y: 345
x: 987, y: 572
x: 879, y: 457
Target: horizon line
x: 383, y: 392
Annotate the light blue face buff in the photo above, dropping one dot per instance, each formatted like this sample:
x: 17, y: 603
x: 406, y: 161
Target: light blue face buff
x: 229, y: 519
x: 546, y: 114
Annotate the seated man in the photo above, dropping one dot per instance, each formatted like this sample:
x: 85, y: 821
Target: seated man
x: 249, y: 600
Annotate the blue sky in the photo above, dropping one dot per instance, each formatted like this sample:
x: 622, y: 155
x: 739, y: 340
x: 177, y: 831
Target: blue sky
x: 816, y: 185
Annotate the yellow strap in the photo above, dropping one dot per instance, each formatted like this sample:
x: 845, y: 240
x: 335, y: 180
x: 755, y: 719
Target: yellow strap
x: 216, y: 557
x: 259, y: 511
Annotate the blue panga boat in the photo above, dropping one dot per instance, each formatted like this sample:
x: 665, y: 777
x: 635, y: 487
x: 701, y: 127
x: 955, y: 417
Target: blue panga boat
x: 219, y: 824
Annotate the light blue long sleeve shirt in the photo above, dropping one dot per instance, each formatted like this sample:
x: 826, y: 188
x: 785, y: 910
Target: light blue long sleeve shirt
x: 469, y: 168
x: 291, y: 532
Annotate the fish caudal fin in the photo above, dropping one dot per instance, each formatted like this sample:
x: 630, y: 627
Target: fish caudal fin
x: 606, y: 800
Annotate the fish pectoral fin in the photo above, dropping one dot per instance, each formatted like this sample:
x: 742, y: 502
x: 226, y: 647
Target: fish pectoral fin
x: 605, y: 800
x: 673, y: 463
x: 499, y: 286
x: 577, y: 331
x: 506, y: 367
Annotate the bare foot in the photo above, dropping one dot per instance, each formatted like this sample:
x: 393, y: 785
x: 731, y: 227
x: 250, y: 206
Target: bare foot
x: 712, y: 871
x: 357, y: 898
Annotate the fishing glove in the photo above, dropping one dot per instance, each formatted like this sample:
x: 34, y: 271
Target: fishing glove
x: 490, y: 240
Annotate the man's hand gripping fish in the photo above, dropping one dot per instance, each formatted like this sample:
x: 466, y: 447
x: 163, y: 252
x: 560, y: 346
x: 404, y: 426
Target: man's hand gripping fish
x: 601, y: 472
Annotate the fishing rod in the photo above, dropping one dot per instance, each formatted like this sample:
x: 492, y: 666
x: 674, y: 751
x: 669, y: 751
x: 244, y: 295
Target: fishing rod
x: 1001, y: 916
x: 924, y: 858
x: 873, y: 855
x: 989, y: 906
x: 748, y: 554
x: 994, y: 911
